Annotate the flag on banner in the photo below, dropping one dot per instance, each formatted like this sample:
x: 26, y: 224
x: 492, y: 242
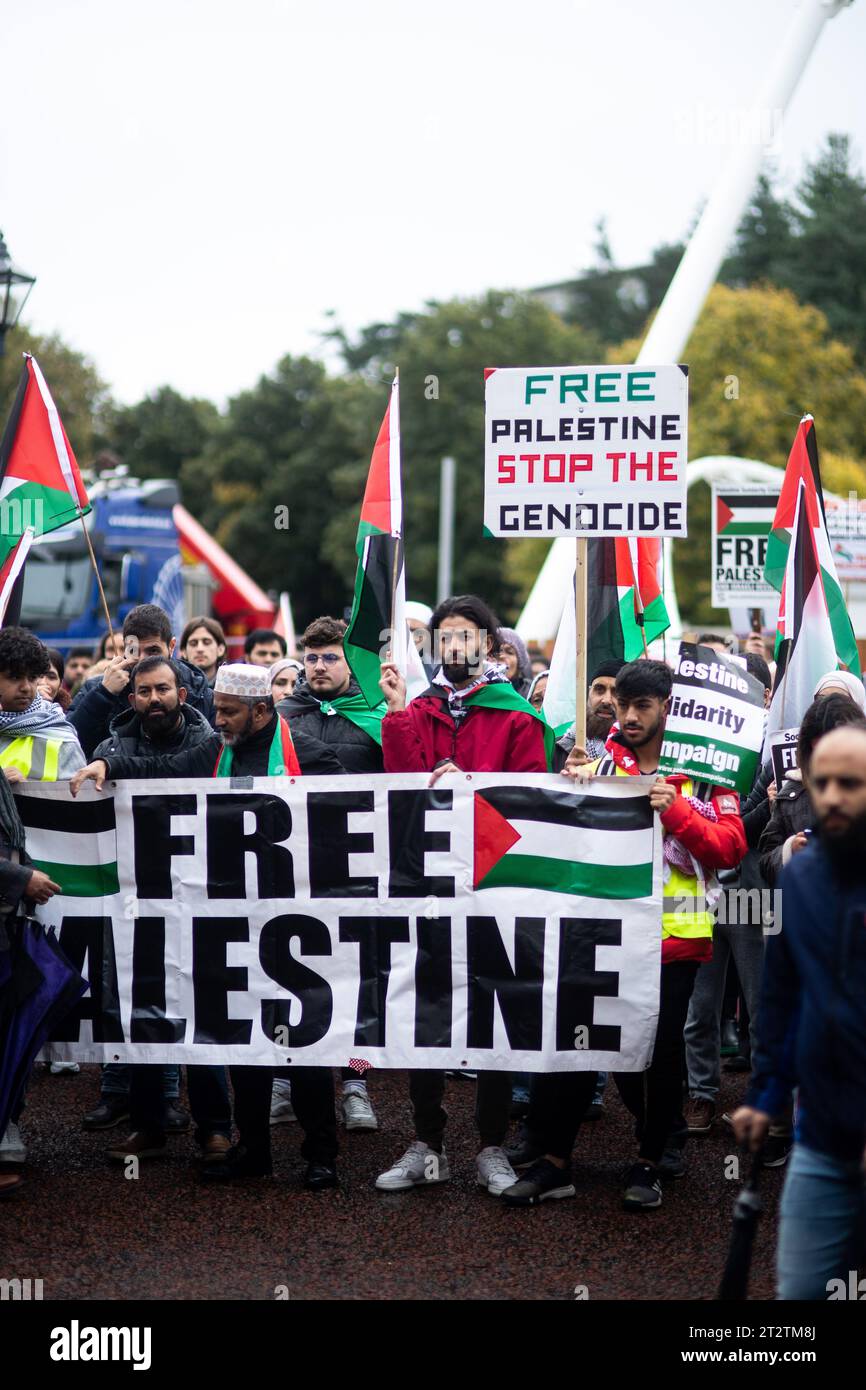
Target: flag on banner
x: 379, y: 547
x: 73, y: 842
x: 40, y: 485
x: 805, y: 641
x: 744, y: 514
x: 529, y: 837
x: 10, y: 572
x: 622, y: 582
x: 803, y: 476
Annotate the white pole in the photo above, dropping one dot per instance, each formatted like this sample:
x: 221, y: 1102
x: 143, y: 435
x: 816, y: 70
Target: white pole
x: 697, y: 271
x: 445, y: 576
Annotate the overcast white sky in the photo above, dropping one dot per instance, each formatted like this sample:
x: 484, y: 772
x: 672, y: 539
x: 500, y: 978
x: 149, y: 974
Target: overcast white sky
x: 195, y: 182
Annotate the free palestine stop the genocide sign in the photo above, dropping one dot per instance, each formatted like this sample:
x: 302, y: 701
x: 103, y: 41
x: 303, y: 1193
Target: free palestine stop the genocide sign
x: 586, y: 451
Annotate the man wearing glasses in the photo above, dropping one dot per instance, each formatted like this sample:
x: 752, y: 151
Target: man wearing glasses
x: 327, y: 702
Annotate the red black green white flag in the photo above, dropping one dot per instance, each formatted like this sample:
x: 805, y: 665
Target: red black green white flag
x: 596, y: 846
x: 380, y: 580
x: 805, y: 643
x: 802, y: 488
x: 10, y: 572
x: 40, y: 485
x: 624, y: 600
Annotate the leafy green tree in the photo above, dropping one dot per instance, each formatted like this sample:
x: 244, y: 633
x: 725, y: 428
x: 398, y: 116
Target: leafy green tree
x: 156, y: 436
x: 264, y: 483
x: 442, y: 354
x: 80, y: 395
x: 758, y: 361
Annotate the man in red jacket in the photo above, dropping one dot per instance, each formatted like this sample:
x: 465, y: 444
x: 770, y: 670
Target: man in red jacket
x: 470, y: 720
x: 700, y: 835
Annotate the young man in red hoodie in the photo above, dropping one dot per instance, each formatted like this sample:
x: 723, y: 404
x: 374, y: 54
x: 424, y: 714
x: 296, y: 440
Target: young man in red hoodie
x: 700, y: 836
x: 470, y: 720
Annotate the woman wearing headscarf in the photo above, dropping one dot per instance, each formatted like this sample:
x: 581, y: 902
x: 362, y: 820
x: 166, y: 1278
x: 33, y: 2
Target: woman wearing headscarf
x: 518, y: 667
x: 842, y: 683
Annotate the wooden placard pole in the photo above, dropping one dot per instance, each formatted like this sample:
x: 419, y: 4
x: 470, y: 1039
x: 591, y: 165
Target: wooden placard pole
x: 580, y: 636
x: 98, y: 577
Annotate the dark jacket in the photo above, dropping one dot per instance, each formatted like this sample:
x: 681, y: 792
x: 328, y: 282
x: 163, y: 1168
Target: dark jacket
x: 250, y: 758
x: 791, y: 814
x: 357, y: 751
x: 812, y: 1023
x: 128, y: 739
x: 94, y: 707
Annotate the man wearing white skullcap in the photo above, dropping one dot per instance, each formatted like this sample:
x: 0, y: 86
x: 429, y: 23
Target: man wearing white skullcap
x: 842, y: 683
x: 252, y: 740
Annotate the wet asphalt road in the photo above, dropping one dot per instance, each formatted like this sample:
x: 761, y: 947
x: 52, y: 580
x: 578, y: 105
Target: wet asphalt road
x: 90, y: 1233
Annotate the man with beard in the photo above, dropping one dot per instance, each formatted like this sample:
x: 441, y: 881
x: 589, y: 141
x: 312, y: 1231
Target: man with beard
x: 160, y: 721
x: 600, y: 714
x: 251, y: 741
x: 146, y: 632
x: 327, y: 703
x: 470, y: 720
x: 812, y: 1030
x: 699, y: 836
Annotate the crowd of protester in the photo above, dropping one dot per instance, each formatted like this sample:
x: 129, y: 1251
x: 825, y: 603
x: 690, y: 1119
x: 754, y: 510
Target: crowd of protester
x: 780, y: 993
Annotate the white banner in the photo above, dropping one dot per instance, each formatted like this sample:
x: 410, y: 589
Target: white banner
x: 586, y: 451
x: 493, y: 922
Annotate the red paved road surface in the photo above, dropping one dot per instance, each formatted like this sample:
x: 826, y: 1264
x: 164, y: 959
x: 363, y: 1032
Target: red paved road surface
x: 88, y: 1232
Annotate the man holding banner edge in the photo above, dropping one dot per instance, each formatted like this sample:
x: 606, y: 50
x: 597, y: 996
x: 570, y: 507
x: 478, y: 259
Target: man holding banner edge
x: 700, y: 836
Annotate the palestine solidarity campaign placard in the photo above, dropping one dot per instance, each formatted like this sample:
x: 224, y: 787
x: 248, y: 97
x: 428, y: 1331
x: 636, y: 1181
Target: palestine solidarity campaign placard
x: 715, y: 728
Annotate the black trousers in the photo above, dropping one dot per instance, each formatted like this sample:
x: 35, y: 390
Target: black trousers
x: 208, y: 1099
x: 312, y: 1102
x: 655, y: 1096
x: 312, y: 1099
x: 492, y: 1106
x: 557, y: 1103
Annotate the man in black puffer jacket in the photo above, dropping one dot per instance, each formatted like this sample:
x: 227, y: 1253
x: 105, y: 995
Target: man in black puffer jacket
x: 327, y: 701
x: 146, y: 632
x: 793, y: 812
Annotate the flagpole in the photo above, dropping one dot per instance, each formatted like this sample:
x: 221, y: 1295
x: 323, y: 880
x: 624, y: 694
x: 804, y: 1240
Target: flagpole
x: 398, y: 540
x: 98, y: 577
x: 580, y: 626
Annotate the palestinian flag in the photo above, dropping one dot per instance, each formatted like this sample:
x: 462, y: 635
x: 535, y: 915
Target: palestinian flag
x: 623, y: 600
x: 805, y: 642
x: 380, y: 579
x: 74, y: 842
x: 597, y: 844
x: 803, y: 479
x: 10, y: 572
x: 40, y: 485
x: 744, y: 513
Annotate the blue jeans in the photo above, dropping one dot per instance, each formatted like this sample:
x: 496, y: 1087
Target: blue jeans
x: 822, y: 1200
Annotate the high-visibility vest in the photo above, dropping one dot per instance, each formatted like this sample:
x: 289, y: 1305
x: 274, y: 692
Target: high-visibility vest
x: 37, y: 759
x: 684, y: 900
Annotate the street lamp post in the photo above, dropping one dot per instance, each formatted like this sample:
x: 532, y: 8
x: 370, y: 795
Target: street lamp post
x: 15, y: 286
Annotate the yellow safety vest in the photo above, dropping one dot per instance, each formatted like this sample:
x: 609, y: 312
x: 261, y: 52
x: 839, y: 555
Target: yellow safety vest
x: 37, y: 759
x: 684, y: 901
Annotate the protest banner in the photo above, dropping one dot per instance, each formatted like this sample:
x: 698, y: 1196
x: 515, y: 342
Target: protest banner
x: 586, y: 451
x: 268, y: 921
x: 846, y: 527
x: 715, y: 729
x: 742, y: 518
x: 783, y: 751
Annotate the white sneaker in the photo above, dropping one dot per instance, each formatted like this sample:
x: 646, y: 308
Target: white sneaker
x: 58, y: 1067
x: 358, y: 1112
x: 282, y: 1112
x: 418, y: 1166
x: 12, y: 1146
x: 493, y: 1171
